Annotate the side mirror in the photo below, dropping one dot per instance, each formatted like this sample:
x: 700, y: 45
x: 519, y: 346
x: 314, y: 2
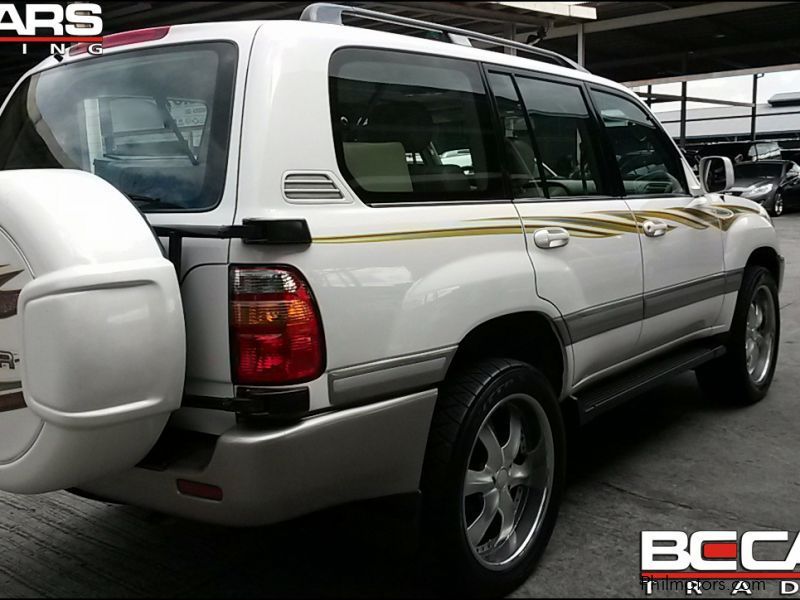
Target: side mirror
x: 716, y: 173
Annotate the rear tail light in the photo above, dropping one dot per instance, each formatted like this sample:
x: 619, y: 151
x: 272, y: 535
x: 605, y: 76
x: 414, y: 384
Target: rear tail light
x: 123, y: 39
x: 276, y: 334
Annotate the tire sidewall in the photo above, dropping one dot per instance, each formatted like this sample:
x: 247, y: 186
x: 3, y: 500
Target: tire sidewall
x: 518, y: 378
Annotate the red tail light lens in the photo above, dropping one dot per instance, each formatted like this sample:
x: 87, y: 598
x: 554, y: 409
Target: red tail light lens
x: 276, y: 335
x: 199, y: 490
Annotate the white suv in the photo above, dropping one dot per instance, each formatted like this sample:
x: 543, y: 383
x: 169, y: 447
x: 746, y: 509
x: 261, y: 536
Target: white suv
x: 369, y: 264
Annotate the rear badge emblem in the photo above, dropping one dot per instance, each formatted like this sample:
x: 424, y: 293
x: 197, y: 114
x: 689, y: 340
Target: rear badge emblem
x: 8, y: 298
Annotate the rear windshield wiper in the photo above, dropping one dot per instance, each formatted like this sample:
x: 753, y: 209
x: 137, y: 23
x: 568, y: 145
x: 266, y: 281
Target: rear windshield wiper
x: 170, y: 122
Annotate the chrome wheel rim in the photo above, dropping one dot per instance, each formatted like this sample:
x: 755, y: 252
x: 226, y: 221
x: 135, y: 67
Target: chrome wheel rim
x: 759, y: 345
x: 508, y: 481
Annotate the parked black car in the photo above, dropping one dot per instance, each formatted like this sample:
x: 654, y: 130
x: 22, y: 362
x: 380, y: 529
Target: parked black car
x: 774, y: 184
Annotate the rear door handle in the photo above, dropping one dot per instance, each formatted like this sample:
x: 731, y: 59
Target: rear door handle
x: 551, y: 237
x: 654, y: 228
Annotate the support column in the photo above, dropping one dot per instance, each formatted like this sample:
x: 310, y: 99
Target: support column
x: 683, y: 114
x: 756, y: 77
x: 511, y: 34
x: 581, y: 46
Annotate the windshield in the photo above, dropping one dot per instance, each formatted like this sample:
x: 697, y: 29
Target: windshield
x: 758, y: 170
x: 154, y: 123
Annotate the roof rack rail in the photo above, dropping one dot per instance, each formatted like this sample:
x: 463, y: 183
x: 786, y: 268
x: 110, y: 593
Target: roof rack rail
x: 324, y: 12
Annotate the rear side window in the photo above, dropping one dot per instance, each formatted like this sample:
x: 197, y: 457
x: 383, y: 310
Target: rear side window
x: 153, y: 123
x: 412, y: 128
x: 562, y: 129
x: 647, y: 159
x: 522, y: 161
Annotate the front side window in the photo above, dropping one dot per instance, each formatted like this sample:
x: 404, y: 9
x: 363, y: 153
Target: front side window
x: 153, y: 123
x: 412, y: 128
x: 647, y: 159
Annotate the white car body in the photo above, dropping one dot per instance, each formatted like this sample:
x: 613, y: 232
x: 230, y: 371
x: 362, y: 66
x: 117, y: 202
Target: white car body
x: 400, y: 287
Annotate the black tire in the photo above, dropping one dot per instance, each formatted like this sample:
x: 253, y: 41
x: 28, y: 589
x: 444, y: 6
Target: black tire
x: 726, y: 378
x: 777, y: 205
x: 466, y: 402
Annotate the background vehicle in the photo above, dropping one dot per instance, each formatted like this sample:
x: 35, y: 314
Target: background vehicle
x: 741, y: 151
x: 771, y: 183
x: 344, y: 315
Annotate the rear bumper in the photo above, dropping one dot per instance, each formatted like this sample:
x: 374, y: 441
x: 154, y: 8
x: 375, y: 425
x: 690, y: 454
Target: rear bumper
x: 268, y: 476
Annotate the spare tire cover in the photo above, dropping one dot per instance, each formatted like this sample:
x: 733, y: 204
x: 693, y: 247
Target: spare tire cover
x: 92, y: 340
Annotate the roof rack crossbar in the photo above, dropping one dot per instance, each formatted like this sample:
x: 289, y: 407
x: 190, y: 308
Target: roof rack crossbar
x: 324, y: 12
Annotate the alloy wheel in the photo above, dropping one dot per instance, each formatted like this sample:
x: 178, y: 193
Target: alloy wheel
x: 509, y: 480
x: 778, y: 206
x: 760, y: 335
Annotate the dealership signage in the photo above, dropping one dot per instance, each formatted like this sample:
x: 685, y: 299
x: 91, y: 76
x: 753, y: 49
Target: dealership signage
x: 55, y: 25
x: 720, y: 561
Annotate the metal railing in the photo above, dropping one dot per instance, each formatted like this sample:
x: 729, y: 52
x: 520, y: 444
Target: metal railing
x: 332, y: 13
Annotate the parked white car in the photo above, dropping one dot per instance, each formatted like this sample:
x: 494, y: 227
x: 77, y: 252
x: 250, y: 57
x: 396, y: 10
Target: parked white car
x: 342, y: 311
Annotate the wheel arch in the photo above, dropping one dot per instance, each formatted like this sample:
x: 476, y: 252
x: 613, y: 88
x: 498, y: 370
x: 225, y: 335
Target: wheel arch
x: 512, y: 336
x: 767, y: 257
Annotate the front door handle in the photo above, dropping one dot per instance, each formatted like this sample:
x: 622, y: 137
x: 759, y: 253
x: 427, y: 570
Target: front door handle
x: 551, y: 237
x: 654, y: 228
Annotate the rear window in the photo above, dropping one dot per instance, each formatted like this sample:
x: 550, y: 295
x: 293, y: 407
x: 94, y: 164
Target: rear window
x: 154, y: 123
x: 413, y: 128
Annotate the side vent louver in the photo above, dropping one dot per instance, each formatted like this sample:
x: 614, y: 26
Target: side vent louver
x: 310, y: 187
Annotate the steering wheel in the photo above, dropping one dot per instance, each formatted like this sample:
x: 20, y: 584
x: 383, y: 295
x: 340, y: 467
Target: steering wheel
x: 556, y: 184
x: 661, y: 182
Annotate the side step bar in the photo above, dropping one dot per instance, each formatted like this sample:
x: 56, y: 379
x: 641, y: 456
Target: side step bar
x: 612, y: 392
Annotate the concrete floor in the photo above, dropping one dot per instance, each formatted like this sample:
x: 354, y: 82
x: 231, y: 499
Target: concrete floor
x: 669, y: 460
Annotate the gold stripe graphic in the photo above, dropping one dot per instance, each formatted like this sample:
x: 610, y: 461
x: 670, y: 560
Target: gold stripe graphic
x: 599, y: 224
x: 418, y: 235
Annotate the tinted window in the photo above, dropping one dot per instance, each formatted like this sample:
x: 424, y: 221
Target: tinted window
x: 411, y: 128
x: 522, y: 161
x: 647, y: 159
x: 562, y: 131
x: 149, y: 122
x: 758, y: 169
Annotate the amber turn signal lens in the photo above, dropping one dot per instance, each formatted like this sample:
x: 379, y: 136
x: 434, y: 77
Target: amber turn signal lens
x: 276, y: 333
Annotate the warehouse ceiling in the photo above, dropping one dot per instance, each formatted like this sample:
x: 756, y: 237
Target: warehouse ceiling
x: 629, y: 41
x: 704, y: 37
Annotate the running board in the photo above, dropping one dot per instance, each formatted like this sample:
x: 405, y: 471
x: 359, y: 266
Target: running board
x: 612, y: 392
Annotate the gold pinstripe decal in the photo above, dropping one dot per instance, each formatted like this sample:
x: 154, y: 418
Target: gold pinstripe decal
x: 418, y: 235
x: 605, y: 224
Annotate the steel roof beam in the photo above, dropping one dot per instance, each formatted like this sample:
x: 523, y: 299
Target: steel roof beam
x: 655, y: 18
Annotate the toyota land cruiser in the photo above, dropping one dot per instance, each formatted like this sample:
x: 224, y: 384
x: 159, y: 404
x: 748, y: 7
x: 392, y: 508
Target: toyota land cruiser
x: 255, y: 269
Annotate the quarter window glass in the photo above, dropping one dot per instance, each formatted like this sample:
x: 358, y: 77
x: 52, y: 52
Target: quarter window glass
x: 410, y: 128
x: 647, y: 159
x: 562, y: 130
